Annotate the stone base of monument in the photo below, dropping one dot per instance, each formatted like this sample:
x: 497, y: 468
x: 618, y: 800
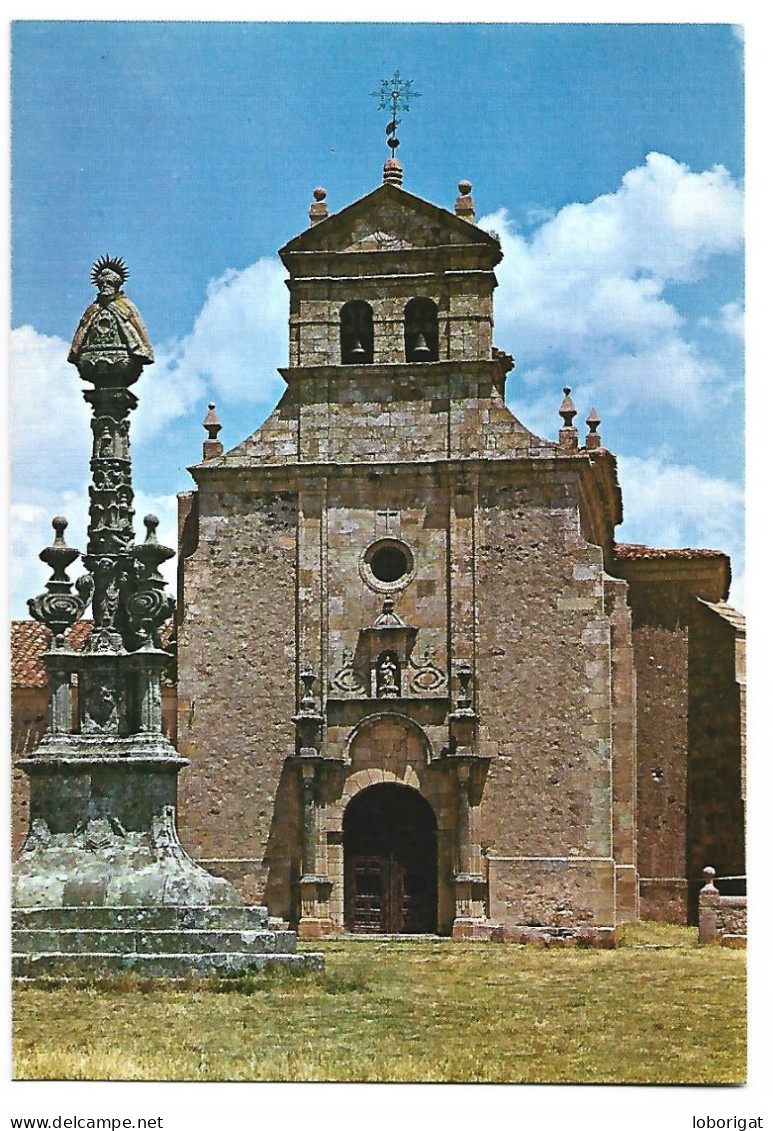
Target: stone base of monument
x: 161, y: 942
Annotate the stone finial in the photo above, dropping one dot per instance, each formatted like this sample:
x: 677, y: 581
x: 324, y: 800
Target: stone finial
x: 308, y: 679
x: 465, y: 205
x: 58, y: 608
x: 708, y: 887
x: 567, y: 435
x: 58, y: 556
x: 593, y: 439
x: 212, y: 446
x: 388, y: 618
x: 319, y: 209
x: 393, y: 172
x: 464, y: 675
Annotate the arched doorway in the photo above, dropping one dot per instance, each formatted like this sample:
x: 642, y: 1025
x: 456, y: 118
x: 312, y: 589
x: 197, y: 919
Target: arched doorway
x: 390, y: 862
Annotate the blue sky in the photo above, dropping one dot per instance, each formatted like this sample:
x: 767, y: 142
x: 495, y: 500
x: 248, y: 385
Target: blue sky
x: 608, y: 157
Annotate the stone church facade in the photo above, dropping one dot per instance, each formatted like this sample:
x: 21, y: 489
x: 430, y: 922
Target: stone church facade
x: 421, y: 687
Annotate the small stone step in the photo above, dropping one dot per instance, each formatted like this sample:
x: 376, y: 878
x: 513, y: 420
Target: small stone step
x: 154, y: 965
x: 128, y: 941
x: 89, y: 918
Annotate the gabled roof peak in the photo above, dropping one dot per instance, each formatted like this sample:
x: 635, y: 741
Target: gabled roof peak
x: 385, y: 219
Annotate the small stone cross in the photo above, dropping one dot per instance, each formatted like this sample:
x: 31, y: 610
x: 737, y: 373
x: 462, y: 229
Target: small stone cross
x: 386, y: 514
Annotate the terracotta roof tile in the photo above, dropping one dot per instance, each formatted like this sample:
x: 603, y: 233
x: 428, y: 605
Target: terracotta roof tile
x: 29, y: 640
x: 631, y: 551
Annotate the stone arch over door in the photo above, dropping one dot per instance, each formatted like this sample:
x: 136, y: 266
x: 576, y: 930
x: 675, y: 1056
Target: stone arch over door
x: 390, y: 748
x: 390, y: 862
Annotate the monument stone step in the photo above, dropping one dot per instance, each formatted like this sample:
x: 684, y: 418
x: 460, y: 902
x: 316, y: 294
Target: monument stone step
x: 158, y: 965
x: 90, y: 918
x: 77, y: 941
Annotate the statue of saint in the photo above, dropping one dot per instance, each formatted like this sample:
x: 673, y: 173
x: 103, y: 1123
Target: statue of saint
x: 387, y: 675
x: 111, y: 322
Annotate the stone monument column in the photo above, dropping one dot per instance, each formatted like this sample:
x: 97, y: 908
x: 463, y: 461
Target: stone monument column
x: 102, y: 865
x: 104, y: 790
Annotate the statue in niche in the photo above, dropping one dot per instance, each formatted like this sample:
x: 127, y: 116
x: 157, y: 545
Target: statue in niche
x: 104, y: 443
x: 97, y: 516
x: 101, y: 715
x: 113, y: 314
x: 387, y: 677
x: 122, y: 439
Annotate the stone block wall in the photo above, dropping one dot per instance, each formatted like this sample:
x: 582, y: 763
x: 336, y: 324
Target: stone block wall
x: 721, y: 918
x: 543, y: 677
x: 662, y: 744
x: 239, y: 804
x: 716, y: 795
x: 688, y: 708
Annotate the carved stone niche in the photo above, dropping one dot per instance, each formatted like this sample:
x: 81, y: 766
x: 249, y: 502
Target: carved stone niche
x: 383, y: 653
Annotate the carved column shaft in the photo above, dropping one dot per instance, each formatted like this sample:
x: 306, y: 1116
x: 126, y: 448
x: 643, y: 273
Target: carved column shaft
x: 462, y: 568
x: 463, y: 818
x: 148, y: 691
x: 59, y: 700
x: 469, y: 880
x: 309, y: 785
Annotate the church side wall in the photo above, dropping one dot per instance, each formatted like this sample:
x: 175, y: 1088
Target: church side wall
x: 239, y: 804
x: 662, y: 611
x: 543, y: 679
x: 716, y: 804
x: 662, y: 682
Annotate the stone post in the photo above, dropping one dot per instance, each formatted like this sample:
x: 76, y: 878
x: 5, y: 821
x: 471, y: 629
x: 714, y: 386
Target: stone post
x: 708, y: 909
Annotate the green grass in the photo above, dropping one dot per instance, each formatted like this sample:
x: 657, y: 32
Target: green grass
x: 659, y: 1009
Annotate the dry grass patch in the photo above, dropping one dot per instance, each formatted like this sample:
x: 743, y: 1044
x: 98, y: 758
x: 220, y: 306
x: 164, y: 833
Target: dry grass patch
x: 660, y: 1009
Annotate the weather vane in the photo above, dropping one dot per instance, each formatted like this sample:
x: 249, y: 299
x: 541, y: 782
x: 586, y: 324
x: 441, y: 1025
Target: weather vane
x: 395, y: 94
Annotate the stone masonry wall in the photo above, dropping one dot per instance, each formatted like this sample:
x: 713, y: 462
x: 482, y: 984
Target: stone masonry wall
x: 240, y: 809
x: 688, y: 728
x: 716, y: 808
x: 662, y: 744
x: 543, y: 679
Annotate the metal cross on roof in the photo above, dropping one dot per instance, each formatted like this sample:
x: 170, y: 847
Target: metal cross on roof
x: 395, y: 94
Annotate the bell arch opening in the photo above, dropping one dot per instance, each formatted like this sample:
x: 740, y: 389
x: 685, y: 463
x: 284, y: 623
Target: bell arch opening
x: 356, y: 330
x: 390, y: 862
x: 421, y: 330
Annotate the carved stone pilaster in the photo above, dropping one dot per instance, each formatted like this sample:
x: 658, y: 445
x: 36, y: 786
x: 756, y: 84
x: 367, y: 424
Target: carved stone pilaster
x: 315, y: 886
x: 59, y: 672
x: 471, y: 769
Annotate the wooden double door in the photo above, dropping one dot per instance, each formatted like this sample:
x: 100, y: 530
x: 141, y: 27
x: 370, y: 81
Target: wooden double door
x: 390, y: 862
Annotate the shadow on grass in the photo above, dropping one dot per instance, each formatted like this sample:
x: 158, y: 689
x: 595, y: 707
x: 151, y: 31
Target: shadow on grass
x: 271, y: 976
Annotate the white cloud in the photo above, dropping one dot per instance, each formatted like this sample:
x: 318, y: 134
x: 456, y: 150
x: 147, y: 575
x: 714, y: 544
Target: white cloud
x: 231, y: 355
x: 730, y: 320
x: 50, y: 434
x: 583, y: 296
x: 673, y: 505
